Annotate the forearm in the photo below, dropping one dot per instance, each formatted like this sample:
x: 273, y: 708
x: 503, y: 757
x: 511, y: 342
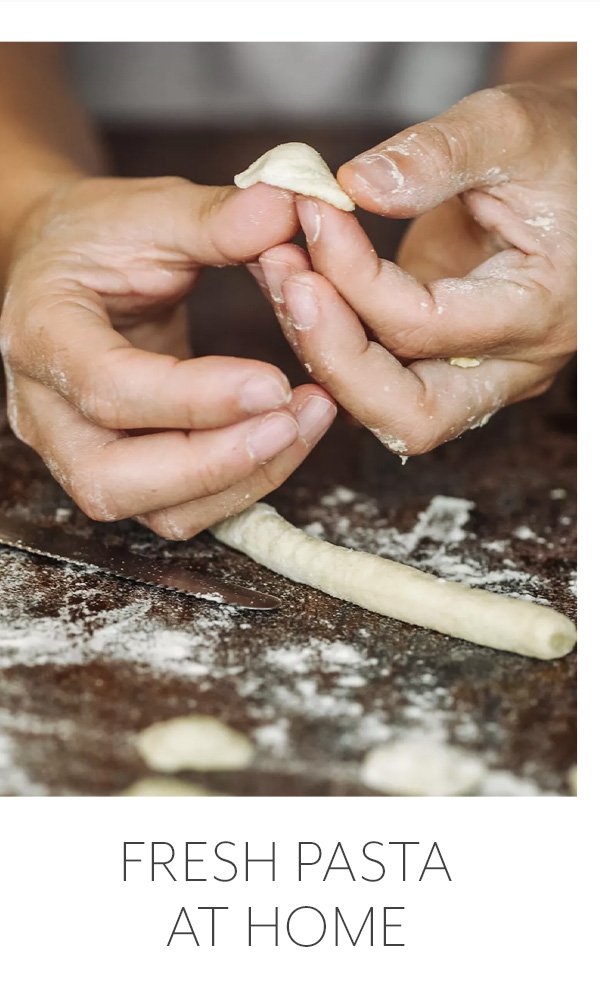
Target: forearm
x: 45, y: 137
x: 537, y: 62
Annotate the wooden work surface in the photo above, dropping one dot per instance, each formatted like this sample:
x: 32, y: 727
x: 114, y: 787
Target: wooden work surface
x: 85, y: 660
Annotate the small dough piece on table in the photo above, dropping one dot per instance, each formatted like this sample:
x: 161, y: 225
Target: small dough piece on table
x: 421, y: 767
x: 464, y: 361
x: 162, y: 786
x: 396, y: 590
x: 297, y: 167
x: 194, y: 743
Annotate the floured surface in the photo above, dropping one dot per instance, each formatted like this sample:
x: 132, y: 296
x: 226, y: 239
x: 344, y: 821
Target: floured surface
x: 87, y: 662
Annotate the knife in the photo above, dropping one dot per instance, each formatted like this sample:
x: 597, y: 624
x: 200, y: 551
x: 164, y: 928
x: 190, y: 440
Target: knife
x: 54, y: 542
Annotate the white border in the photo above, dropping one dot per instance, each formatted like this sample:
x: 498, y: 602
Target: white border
x: 309, y: 20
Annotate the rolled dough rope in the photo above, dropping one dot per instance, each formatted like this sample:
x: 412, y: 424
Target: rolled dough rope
x: 396, y: 590
x: 298, y: 167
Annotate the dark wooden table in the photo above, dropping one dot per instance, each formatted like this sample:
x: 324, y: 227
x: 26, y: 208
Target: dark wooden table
x: 85, y: 661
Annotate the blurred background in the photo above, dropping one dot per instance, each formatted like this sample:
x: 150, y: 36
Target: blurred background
x: 234, y: 83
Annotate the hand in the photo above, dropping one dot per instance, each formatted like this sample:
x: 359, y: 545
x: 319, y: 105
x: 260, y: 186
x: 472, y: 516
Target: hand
x: 94, y: 340
x: 487, y: 270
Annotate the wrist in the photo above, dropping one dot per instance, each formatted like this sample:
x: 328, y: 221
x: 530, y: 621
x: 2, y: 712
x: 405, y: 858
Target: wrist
x: 24, y: 192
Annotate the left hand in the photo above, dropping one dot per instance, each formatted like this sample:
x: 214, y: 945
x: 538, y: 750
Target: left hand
x: 487, y: 270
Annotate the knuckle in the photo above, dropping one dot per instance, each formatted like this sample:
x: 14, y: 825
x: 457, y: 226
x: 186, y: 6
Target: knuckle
x: 215, y: 471
x: 18, y: 422
x: 420, y: 440
x: 166, y: 184
x: 209, y: 480
x: 445, y: 150
x: 18, y: 413
x: 503, y: 107
x: 426, y: 434
x: 93, y: 498
x: 274, y: 475
x: 538, y: 388
x: 168, y: 525
x: 9, y: 344
x: 164, y: 189
x: 99, y: 398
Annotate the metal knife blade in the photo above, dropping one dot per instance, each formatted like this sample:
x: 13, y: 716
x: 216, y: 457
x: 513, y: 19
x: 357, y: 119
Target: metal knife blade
x: 54, y: 542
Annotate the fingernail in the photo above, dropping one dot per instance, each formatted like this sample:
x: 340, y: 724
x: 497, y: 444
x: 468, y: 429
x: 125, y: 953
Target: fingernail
x: 301, y: 304
x: 275, y: 273
x: 310, y: 219
x: 257, y: 272
x: 262, y: 393
x: 315, y: 417
x: 272, y: 435
x: 378, y: 173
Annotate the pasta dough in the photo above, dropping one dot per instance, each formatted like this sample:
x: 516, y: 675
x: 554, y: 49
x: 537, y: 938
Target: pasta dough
x: 396, y: 590
x: 162, y: 785
x: 194, y: 743
x: 421, y: 767
x: 298, y: 167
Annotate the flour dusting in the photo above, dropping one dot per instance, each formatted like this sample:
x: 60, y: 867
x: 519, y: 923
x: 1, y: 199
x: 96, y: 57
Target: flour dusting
x: 434, y: 543
x: 314, y: 703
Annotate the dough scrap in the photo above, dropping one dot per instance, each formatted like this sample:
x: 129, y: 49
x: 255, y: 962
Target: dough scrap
x: 157, y: 786
x: 421, y: 767
x: 464, y: 361
x: 396, y: 590
x: 194, y: 743
x: 298, y: 167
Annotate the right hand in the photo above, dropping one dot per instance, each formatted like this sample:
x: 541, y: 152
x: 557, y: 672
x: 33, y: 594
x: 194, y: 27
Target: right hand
x: 99, y: 379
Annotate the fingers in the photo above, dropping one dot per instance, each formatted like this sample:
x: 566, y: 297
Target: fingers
x: 69, y: 346
x: 499, y: 306
x: 112, y: 476
x: 314, y: 413
x: 283, y: 261
x: 217, y: 226
x: 410, y: 409
x: 483, y: 140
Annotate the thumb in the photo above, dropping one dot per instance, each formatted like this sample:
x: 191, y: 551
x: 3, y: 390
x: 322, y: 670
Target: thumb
x: 214, y: 226
x: 235, y: 226
x: 477, y: 142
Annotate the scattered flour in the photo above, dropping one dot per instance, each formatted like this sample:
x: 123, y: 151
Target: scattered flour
x: 545, y: 222
x: 525, y: 533
x: 79, y: 634
x: 433, y: 544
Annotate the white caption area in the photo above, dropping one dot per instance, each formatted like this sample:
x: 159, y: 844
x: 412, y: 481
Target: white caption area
x: 491, y: 922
